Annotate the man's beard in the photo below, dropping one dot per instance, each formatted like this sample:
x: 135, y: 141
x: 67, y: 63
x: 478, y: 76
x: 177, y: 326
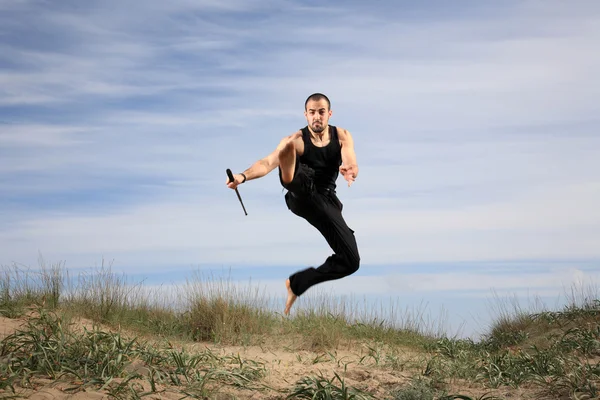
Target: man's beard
x: 319, y: 129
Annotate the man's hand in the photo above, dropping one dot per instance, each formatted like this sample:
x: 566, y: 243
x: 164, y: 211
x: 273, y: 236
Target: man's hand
x: 237, y: 180
x: 349, y: 172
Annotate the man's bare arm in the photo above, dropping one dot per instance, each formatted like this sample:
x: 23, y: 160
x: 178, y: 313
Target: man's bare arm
x: 266, y: 164
x: 349, y: 167
x: 348, y: 152
x: 260, y: 168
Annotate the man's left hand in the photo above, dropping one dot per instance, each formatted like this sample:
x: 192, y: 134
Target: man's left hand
x: 349, y: 172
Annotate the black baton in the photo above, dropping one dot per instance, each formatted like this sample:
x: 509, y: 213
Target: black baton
x: 230, y: 175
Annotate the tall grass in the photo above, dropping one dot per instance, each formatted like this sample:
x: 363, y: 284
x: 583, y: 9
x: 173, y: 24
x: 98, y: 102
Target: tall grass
x: 388, y: 314
x: 514, y: 322
x: 209, y: 308
x: 557, y: 352
x: 325, y: 321
x: 104, y: 296
x: 220, y: 310
x: 21, y: 287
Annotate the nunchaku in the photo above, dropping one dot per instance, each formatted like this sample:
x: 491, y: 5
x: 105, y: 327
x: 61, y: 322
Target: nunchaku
x: 230, y: 175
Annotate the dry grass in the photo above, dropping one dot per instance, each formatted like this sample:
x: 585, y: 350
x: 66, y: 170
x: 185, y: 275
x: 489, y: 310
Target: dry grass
x: 338, y: 349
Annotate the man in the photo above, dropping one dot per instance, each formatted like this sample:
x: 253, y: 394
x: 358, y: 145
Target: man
x: 309, y: 162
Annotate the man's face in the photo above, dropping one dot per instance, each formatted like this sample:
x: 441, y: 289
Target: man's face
x: 317, y: 115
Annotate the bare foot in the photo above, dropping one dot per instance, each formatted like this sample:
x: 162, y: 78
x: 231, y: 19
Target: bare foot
x: 287, y: 162
x: 290, y: 299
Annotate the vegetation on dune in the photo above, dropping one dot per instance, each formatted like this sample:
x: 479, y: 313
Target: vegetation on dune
x: 128, y: 348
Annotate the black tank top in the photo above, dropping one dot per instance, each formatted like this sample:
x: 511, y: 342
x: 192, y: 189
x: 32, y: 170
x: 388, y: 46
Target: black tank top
x: 324, y: 160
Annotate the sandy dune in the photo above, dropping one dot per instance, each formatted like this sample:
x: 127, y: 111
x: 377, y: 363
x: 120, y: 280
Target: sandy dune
x: 283, y: 364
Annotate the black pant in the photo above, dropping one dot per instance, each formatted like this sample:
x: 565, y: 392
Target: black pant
x: 323, y: 210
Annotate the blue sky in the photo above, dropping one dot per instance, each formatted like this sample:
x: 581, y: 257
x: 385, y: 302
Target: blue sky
x: 476, y: 130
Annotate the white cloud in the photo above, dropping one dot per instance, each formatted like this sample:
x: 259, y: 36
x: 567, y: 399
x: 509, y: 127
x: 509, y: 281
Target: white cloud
x: 543, y: 224
x: 32, y: 136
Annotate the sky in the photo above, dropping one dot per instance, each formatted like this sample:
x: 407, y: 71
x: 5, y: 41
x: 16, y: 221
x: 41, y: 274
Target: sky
x: 475, y: 126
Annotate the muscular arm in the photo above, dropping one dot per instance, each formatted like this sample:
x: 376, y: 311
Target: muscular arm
x: 349, y: 167
x: 267, y: 164
x: 260, y: 168
x: 348, y: 153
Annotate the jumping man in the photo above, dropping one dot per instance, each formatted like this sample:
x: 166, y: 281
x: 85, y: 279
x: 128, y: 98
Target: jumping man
x: 309, y: 161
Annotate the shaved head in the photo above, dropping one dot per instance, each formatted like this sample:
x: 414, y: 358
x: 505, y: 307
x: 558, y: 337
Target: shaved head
x: 317, y: 97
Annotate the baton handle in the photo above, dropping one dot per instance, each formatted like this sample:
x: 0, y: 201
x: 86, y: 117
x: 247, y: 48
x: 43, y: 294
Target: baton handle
x: 230, y: 175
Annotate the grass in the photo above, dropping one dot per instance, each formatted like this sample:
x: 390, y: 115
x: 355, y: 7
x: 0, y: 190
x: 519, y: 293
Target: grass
x: 322, y: 388
x: 126, y: 346
x: 555, y: 352
x: 48, y: 347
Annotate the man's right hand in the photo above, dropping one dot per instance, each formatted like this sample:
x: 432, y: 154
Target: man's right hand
x: 237, y: 180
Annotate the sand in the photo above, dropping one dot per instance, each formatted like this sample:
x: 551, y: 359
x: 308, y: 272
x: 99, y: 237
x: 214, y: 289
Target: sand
x: 284, y: 365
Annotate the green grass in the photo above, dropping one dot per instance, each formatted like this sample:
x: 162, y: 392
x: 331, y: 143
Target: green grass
x: 48, y: 347
x: 418, y: 389
x: 205, y: 308
x: 557, y: 352
x: 321, y: 388
x: 129, y: 352
x: 21, y: 287
x: 324, y: 323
